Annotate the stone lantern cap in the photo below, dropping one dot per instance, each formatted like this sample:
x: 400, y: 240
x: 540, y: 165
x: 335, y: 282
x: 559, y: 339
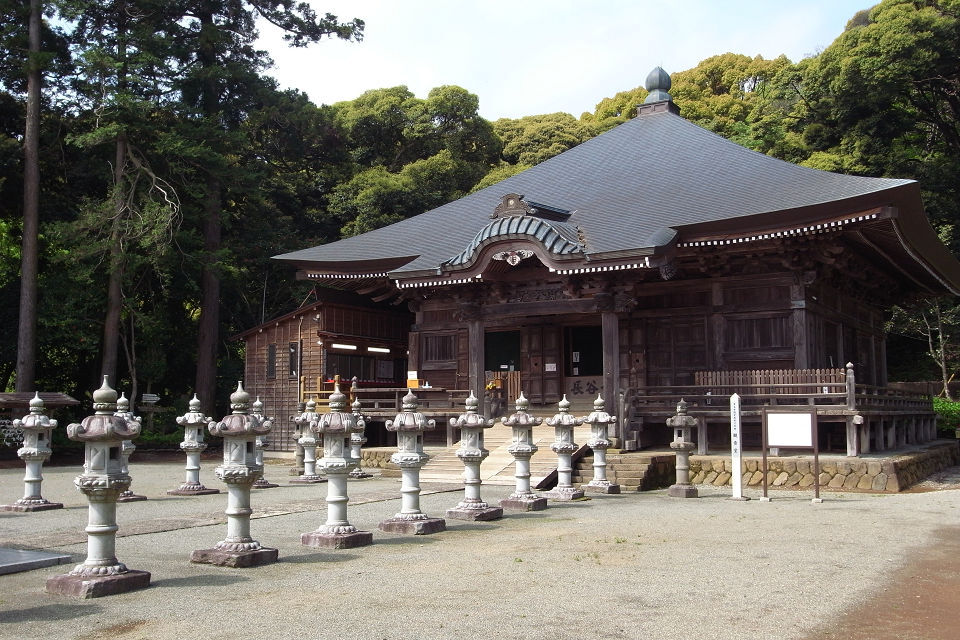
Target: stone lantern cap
x: 521, y: 418
x: 338, y: 420
x: 564, y: 418
x: 410, y: 419
x: 308, y: 416
x: 194, y: 415
x: 36, y: 418
x: 471, y: 419
x: 103, y: 425
x: 681, y: 419
x: 240, y: 422
x: 599, y: 413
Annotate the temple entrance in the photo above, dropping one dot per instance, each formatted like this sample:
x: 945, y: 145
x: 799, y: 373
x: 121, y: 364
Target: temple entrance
x: 501, y: 351
x: 583, y: 363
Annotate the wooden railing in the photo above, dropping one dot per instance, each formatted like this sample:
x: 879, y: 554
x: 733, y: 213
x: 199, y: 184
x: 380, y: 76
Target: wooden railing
x: 833, y: 390
x: 389, y: 399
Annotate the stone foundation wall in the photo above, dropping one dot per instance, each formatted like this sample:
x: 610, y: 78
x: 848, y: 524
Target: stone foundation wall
x: 888, y: 475
x: 378, y: 457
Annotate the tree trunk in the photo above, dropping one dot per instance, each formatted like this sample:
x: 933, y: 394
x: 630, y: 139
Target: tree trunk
x: 209, y: 329
x: 27, y: 333
x: 208, y: 334
x: 111, y: 321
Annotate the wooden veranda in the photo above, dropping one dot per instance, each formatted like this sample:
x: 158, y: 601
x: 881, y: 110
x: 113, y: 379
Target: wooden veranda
x: 872, y: 418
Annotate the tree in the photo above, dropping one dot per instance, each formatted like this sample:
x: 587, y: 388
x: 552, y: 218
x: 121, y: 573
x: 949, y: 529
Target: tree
x: 532, y: 139
x: 219, y: 85
x: 27, y: 336
x: 124, y: 65
x: 409, y: 154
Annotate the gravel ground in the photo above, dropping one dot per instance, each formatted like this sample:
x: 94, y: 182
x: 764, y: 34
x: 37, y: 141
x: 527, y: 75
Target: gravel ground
x: 637, y: 565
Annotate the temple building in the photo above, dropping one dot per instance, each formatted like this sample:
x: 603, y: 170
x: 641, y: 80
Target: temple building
x: 644, y: 259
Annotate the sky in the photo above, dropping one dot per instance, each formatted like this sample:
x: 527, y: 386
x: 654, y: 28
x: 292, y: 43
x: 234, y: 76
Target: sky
x: 529, y: 57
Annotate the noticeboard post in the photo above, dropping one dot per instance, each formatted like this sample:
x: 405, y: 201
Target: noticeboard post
x: 794, y: 429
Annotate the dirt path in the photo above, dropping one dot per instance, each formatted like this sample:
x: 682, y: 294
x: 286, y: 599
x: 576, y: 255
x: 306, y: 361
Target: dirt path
x: 920, y: 602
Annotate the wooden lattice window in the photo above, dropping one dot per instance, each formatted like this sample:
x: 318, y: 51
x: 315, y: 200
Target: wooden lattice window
x: 440, y: 348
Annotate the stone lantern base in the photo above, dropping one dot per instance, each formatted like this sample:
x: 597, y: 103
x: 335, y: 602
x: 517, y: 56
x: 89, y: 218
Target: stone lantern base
x: 80, y: 586
x: 475, y: 512
x: 359, y: 473
x: 524, y: 503
x: 563, y: 494
x: 416, y: 527
x: 31, y: 505
x: 307, y: 479
x: 682, y: 491
x: 130, y: 496
x: 263, y: 483
x: 601, y: 487
x: 238, y: 559
x: 348, y: 540
x: 192, y: 489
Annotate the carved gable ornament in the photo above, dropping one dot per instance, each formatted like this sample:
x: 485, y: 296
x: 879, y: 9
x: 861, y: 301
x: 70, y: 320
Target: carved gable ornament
x: 514, y: 257
x: 513, y: 204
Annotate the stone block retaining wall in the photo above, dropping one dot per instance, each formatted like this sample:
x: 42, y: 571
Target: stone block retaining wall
x: 888, y: 475
x: 378, y: 457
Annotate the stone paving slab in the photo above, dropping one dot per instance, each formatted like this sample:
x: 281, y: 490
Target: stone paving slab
x: 15, y: 560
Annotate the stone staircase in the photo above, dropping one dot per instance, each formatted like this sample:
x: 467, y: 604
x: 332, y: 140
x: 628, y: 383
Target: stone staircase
x: 633, y: 471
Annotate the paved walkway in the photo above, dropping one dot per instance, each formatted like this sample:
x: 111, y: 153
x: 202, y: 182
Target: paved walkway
x: 622, y: 566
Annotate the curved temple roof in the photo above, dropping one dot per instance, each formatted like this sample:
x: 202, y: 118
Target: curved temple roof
x: 630, y: 191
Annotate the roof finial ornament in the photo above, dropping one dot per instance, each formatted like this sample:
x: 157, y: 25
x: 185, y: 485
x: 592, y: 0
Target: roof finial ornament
x: 658, y: 84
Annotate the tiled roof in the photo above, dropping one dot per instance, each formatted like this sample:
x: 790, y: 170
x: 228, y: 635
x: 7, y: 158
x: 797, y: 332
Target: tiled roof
x: 626, y: 189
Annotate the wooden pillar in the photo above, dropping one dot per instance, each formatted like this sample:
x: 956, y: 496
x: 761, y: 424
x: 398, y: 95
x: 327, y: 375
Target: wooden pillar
x: 717, y: 327
x: 702, y: 445
x: 475, y: 366
x: 801, y: 348
x: 610, y: 330
x: 865, y: 444
x: 853, y: 435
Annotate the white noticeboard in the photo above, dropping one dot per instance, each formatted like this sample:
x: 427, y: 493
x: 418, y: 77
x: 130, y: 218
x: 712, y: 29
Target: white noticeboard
x: 789, y: 429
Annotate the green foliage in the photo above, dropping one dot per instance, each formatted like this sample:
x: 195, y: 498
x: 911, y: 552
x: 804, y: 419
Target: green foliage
x: 183, y: 86
x: 532, y: 139
x: 948, y: 416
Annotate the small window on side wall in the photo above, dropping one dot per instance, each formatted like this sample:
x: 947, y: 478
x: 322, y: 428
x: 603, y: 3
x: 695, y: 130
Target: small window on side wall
x: 294, y: 351
x: 272, y: 361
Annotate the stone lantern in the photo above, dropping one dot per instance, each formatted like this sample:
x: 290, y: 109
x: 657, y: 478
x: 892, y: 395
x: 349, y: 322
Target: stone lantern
x: 194, y: 423
x: 682, y: 444
x: 297, y: 468
x: 37, y: 431
x: 336, y: 429
x: 472, y: 453
x: 239, y: 471
x: 599, y: 420
x: 262, y: 442
x: 127, y: 448
x: 308, y: 441
x: 409, y: 426
x: 102, y: 481
x: 564, y: 446
x: 522, y: 449
x: 357, y: 440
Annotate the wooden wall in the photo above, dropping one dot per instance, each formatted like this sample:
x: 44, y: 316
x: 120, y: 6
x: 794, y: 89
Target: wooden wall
x: 670, y: 329
x: 298, y: 354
